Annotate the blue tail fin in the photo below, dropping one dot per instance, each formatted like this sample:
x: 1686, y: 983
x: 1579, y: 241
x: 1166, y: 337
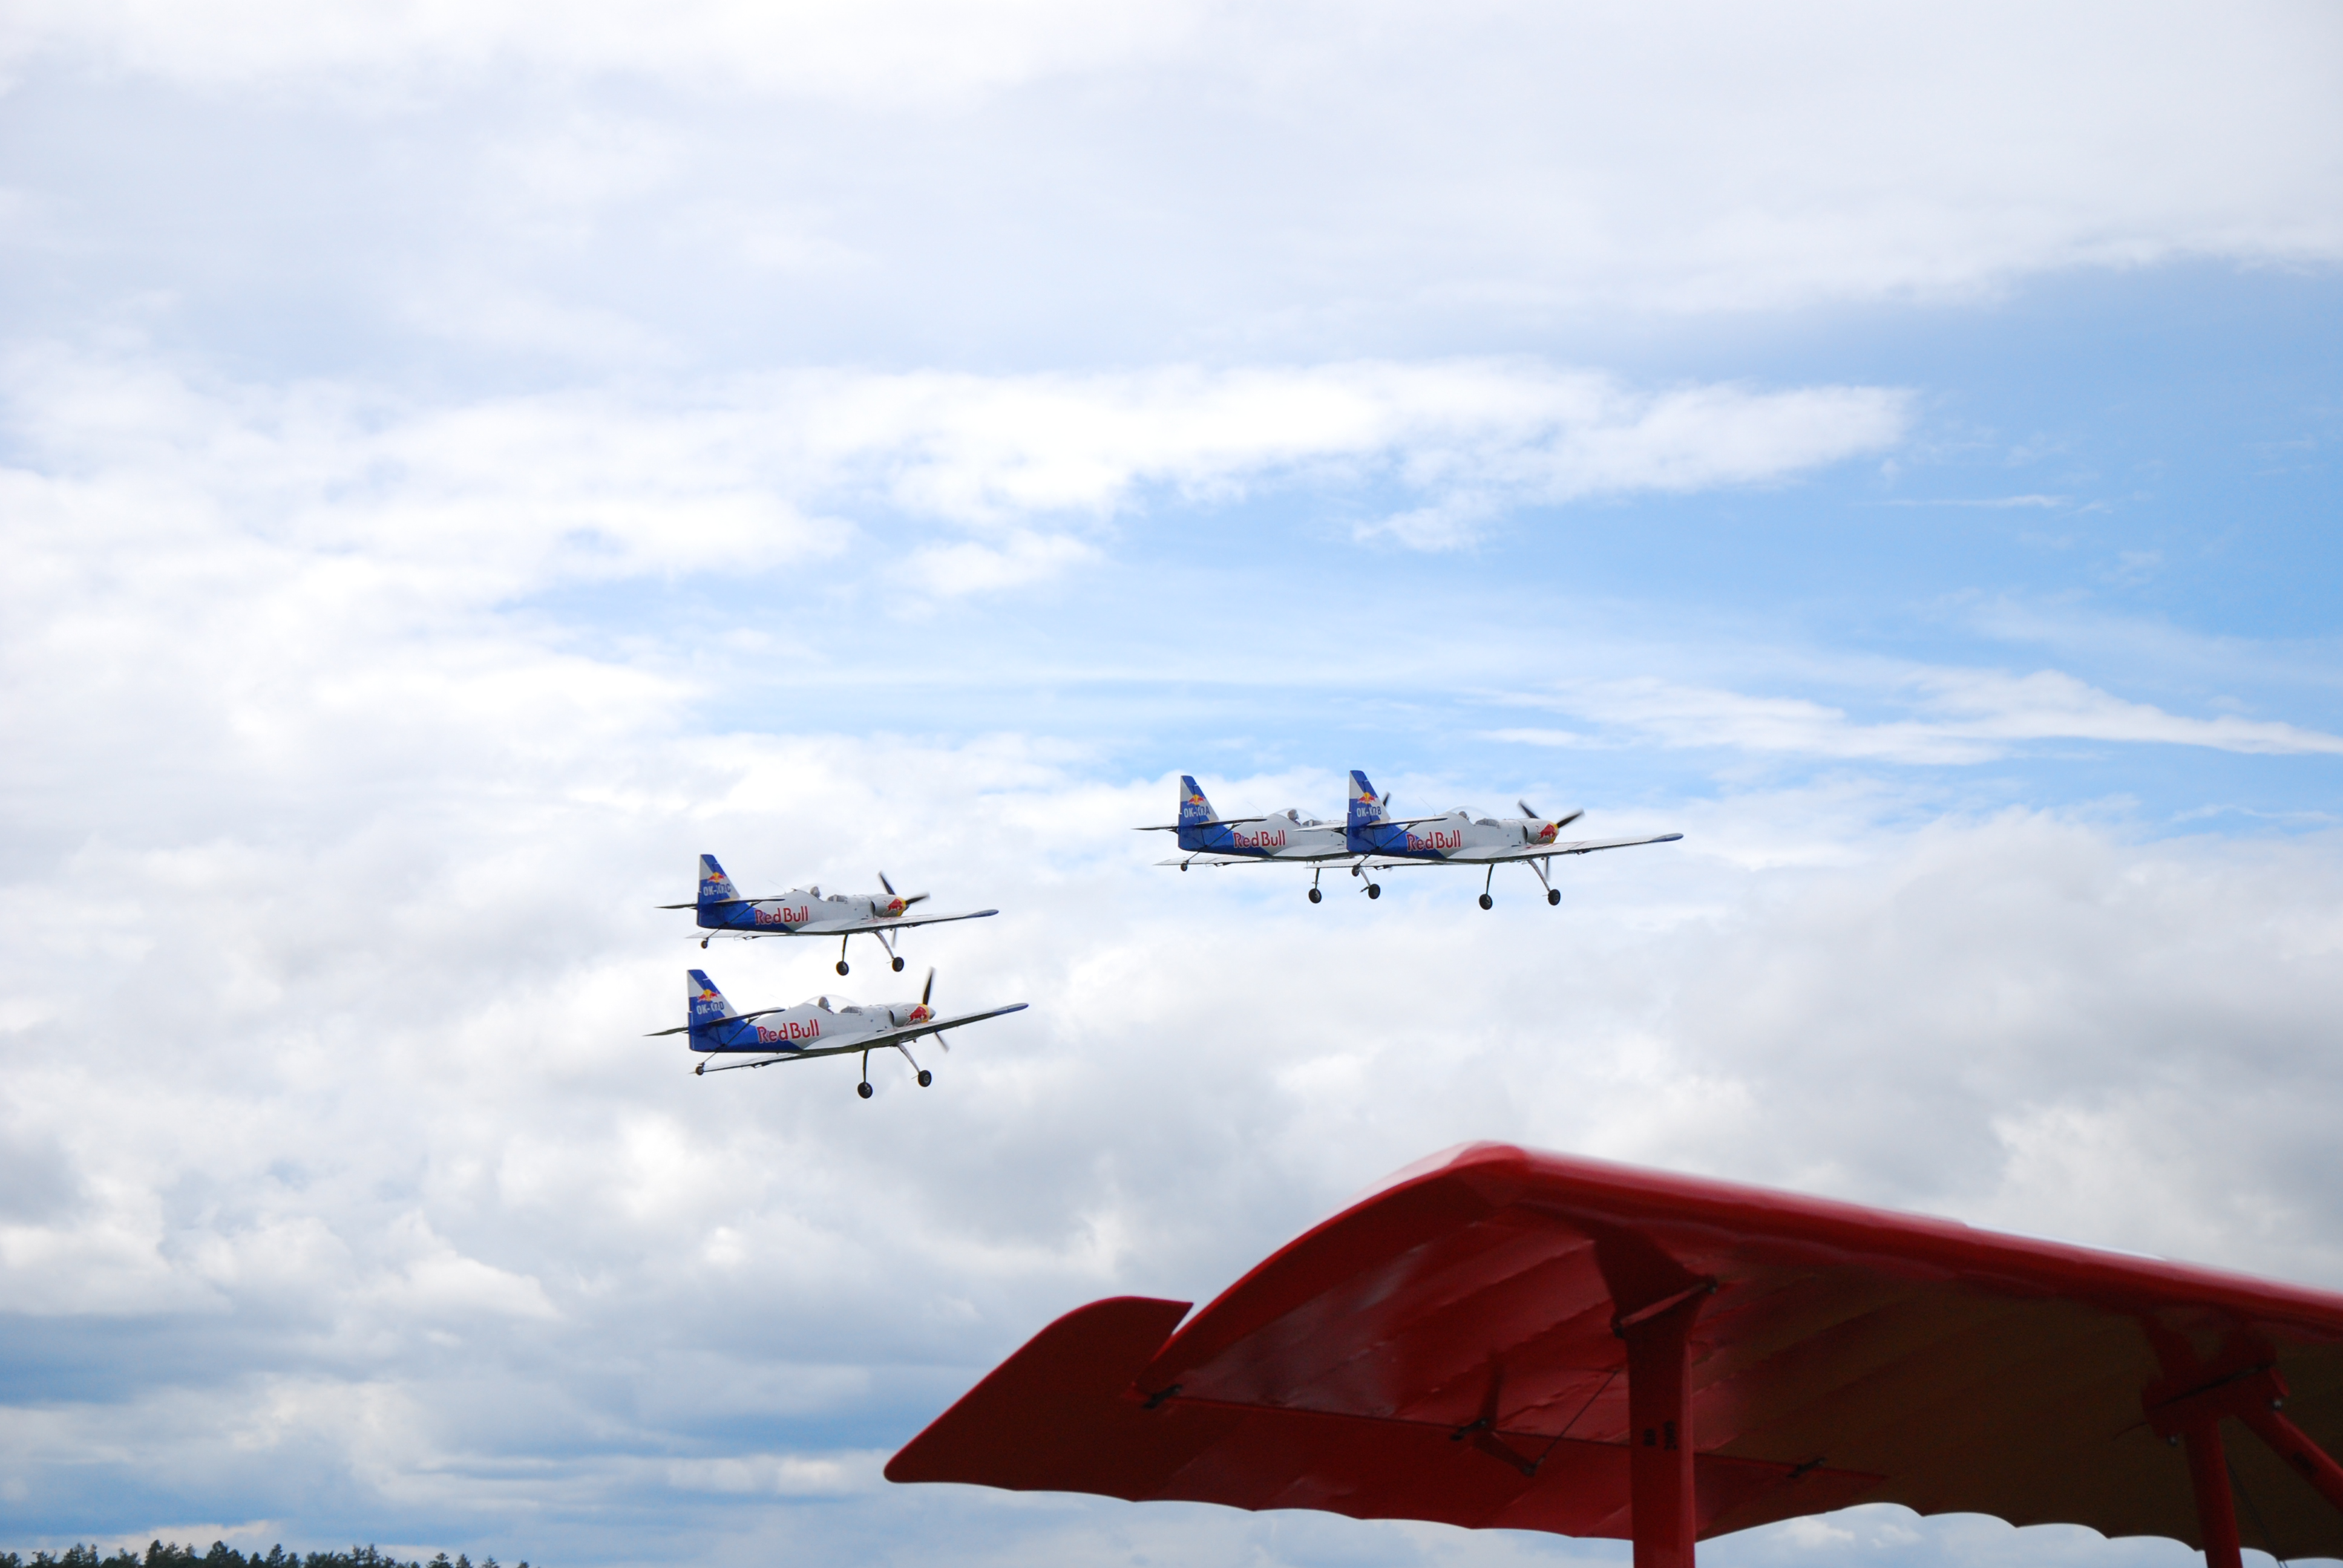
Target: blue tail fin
x: 715, y: 887
x: 708, y: 1004
x: 1193, y: 808
x: 1366, y: 806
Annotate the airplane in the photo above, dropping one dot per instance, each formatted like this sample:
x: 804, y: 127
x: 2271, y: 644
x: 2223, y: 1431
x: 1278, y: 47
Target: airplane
x: 1458, y: 838
x: 809, y: 913
x: 824, y: 1026
x: 1208, y: 839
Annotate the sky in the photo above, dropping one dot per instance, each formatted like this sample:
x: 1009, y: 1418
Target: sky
x: 457, y: 464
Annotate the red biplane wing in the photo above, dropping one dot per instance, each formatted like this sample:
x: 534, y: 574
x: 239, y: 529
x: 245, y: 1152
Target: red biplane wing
x: 1459, y: 1347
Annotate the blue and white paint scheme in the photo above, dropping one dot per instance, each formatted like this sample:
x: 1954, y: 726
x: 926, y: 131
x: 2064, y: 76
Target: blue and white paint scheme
x: 811, y: 912
x: 1209, y: 839
x: 1385, y: 842
x: 823, y: 1026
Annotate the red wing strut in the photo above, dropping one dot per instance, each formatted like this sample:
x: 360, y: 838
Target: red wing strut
x: 1503, y: 1338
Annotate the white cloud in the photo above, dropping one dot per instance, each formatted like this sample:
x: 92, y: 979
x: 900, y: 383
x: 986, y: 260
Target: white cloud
x: 1285, y: 174
x: 782, y: 1474
x: 483, y: 498
x: 988, y: 449
x: 891, y: 52
x: 1966, y: 716
x: 1020, y: 559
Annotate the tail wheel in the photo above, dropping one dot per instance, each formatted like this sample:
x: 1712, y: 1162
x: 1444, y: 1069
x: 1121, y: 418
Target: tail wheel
x: 842, y: 965
x: 863, y: 1090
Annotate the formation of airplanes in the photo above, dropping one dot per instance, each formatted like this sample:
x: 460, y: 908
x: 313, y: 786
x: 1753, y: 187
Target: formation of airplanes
x: 1372, y: 839
x: 1369, y: 839
x: 822, y: 1025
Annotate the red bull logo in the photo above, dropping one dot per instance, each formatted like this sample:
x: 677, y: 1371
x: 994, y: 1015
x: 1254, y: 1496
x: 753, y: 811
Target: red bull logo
x: 1267, y: 839
x: 708, y: 996
x: 787, y: 1030
x: 894, y: 906
x: 1545, y: 835
x: 1438, y: 840
x: 921, y: 1013
x: 784, y: 916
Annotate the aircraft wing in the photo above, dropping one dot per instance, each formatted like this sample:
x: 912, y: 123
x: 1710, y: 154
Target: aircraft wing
x: 899, y: 922
x: 779, y: 1058
x: 1524, y: 852
x: 1838, y: 1355
x: 839, y: 927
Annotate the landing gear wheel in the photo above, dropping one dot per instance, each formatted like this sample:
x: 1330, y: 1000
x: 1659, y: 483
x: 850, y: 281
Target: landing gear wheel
x: 1315, y: 895
x: 1487, y: 902
x: 863, y: 1090
x: 842, y: 965
x: 898, y: 966
x: 703, y: 944
x: 926, y: 1078
x: 1553, y: 895
x: 1374, y: 892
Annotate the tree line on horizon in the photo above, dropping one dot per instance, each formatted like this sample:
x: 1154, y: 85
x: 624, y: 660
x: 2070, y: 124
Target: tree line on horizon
x: 163, y: 1554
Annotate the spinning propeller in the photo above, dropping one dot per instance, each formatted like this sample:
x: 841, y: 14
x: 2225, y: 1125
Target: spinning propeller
x: 927, y: 992
x: 1535, y: 815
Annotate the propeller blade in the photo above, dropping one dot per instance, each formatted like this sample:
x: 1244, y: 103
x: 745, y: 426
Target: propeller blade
x: 926, y: 991
x: 886, y: 884
x: 1530, y: 811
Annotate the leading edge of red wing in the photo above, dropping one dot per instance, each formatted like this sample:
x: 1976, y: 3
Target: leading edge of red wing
x: 1474, y: 1180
